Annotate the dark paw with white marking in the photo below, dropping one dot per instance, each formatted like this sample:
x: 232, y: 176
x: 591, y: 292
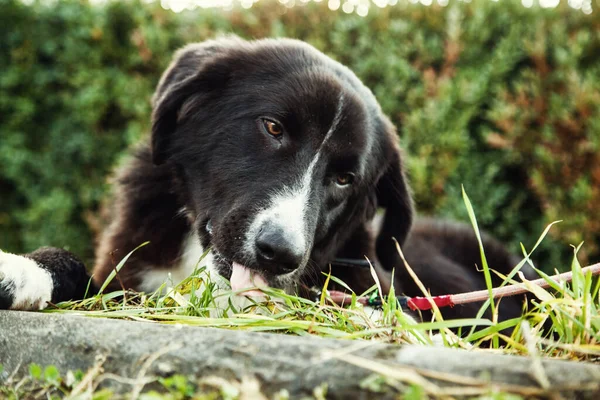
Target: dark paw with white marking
x: 24, y: 285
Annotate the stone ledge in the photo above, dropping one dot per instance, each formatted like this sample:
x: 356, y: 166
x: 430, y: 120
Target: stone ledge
x: 297, y: 364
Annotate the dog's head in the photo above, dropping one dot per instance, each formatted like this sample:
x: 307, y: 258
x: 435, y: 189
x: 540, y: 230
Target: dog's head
x: 283, y: 153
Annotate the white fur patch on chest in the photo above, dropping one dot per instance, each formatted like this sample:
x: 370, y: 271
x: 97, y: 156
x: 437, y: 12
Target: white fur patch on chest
x: 22, y: 279
x: 189, y: 260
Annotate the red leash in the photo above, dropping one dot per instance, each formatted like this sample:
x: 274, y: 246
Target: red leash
x: 425, y: 303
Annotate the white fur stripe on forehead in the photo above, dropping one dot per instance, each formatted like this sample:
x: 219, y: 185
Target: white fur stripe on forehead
x: 307, y: 178
x: 288, y: 206
x: 336, y: 120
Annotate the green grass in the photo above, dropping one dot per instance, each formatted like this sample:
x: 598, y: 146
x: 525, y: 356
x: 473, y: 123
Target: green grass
x: 47, y: 383
x: 572, y: 308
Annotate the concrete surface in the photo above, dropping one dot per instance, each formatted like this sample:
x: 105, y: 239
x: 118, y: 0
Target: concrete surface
x: 297, y: 364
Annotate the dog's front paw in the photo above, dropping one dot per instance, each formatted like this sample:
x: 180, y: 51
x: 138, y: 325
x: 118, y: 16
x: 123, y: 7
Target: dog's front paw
x: 24, y: 285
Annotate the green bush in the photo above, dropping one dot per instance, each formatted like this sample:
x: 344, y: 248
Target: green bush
x: 499, y: 98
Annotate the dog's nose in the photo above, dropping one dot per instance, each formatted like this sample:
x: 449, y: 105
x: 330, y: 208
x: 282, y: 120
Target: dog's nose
x: 275, y: 251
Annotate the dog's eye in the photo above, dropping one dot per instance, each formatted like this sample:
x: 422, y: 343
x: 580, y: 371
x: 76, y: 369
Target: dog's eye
x: 273, y: 128
x: 345, y: 179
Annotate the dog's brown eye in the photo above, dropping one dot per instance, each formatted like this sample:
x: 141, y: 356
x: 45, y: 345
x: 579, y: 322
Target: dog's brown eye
x: 345, y: 179
x: 273, y: 127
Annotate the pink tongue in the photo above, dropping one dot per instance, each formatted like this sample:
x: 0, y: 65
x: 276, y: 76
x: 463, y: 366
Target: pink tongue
x: 243, y: 278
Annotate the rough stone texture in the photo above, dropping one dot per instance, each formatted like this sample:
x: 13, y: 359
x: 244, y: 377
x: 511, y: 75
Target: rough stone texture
x: 298, y: 364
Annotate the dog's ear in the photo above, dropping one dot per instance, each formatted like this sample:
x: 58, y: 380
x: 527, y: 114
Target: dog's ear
x: 394, y: 195
x: 197, y: 69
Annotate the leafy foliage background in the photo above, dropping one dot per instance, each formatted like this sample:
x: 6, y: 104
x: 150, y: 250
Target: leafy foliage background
x: 502, y: 99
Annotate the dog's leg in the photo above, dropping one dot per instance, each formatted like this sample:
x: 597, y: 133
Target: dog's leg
x: 30, y: 281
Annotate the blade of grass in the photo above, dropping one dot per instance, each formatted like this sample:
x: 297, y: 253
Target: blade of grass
x: 116, y: 270
x: 486, y: 269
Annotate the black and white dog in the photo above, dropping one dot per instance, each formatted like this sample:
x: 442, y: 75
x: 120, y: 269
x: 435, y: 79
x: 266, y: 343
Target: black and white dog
x: 277, y: 159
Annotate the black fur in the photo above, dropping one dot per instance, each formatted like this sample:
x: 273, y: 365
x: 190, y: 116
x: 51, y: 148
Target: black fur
x: 210, y: 159
x: 68, y: 273
x: 205, y: 135
x: 6, y: 294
